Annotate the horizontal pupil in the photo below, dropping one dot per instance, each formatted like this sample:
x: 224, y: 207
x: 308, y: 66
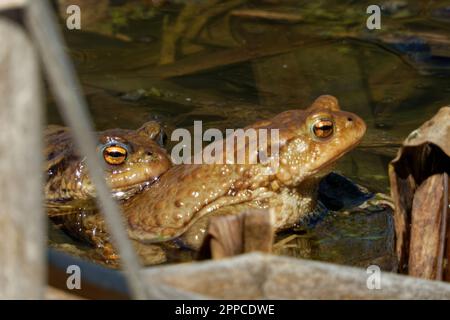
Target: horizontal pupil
x: 116, y: 154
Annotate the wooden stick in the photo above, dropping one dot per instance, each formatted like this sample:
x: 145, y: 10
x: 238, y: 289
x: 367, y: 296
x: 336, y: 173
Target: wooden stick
x: 226, y: 236
x: 22, y: 219
x: 246, y: 232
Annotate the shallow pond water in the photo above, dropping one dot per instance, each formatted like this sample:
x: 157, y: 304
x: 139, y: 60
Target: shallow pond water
x: 234, y: 70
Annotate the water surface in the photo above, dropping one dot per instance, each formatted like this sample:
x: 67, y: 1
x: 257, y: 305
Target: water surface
x: 236, y: 70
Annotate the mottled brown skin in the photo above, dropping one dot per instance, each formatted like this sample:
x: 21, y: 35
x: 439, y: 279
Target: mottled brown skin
x: 181, y: 202
x: 69, y: 192
x: 66, y: 172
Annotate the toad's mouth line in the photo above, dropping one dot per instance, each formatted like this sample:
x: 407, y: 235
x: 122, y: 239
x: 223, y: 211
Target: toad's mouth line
x: 123, y: 193
x: 330, y: 164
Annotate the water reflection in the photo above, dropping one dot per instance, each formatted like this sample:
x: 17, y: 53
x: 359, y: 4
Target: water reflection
x: 230, y: 63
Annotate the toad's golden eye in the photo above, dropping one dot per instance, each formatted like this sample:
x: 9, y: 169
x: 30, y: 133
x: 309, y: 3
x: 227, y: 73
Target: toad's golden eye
x: 323, y: 128
x: 115, y: 154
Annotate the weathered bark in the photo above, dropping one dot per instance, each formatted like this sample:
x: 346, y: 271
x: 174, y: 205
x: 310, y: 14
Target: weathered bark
x: 419, y: 188
x: 22, y: 227
x: 232, y: 235
x: 226, y: 236
x: 428, y: 228
x: 258, y: 276
x: 402, y: 192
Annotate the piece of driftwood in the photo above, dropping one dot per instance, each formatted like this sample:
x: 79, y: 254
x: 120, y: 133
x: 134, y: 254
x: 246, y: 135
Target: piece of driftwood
x: 263, y: 276
x: 428, y: 228
x: 226, y: 236
x: 235, y: 234
x: 22, y: 224
x: 416, y: 194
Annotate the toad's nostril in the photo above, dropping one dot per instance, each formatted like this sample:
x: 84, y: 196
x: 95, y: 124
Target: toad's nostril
x: 350, y: 119
x: 149, y: 153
